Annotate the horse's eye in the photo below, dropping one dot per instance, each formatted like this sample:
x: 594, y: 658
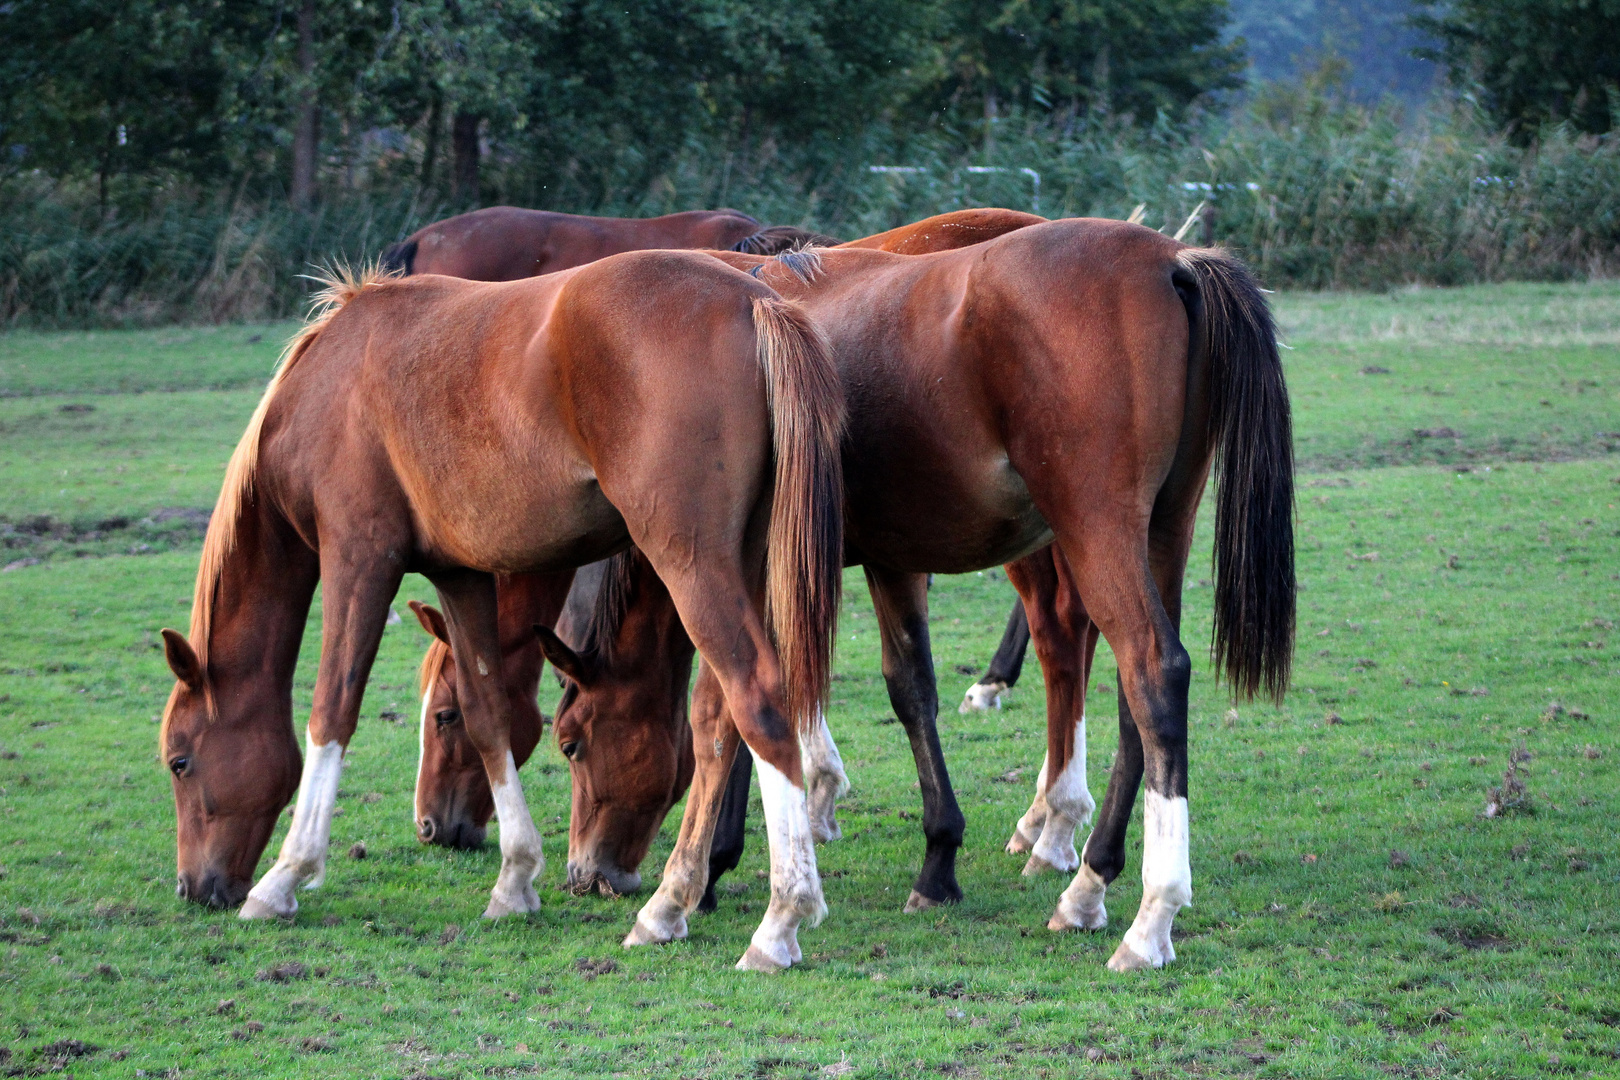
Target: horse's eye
x: 446, y: 717
x: 570, y: 748
x: 178, y: 765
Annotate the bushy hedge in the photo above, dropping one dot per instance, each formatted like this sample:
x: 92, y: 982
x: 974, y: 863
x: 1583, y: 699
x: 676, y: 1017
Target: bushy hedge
x: 1315, y: 192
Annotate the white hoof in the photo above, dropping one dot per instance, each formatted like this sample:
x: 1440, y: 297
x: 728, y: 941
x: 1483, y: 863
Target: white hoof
x: 982, y: 697
x: 254, y: 908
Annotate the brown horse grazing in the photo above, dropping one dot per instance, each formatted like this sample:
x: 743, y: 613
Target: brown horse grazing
x: 505, y: 243
x: 453, y: 801
x: 608, y: 838
x: 463, y: 429
x: 1072, y: 381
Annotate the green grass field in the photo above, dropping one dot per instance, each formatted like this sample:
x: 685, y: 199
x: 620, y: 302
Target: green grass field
x: 1355, y: 914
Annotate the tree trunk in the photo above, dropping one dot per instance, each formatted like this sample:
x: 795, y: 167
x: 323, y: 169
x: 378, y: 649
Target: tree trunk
x: 430, y: 152
x: 464, y: 147
x: 307, y: 135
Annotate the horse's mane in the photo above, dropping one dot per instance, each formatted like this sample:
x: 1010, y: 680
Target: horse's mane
x: 432, y: 664
x: 613, y: 599
x: 777, y: 239
x: 339, y: 284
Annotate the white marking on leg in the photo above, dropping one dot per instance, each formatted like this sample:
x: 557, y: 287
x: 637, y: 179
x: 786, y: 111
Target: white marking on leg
x: 824, y: 777
x: 1069, y: 806
x: 1081, y: 905
x: 1028, y: 829
x: 421, y: 757
x: 795, y: 885
x: 521, y: 857
x: 1166, y: 885
x: 303, y: 853
x: 983, y: 696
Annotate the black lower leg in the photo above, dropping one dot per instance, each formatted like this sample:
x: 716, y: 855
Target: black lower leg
x: 901, y: 601
x: 1008, y: 663
x: 727, y: 849
x: 1105, y: 848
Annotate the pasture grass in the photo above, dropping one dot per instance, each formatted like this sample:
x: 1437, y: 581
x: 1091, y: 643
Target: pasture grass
x: 1355, y: 914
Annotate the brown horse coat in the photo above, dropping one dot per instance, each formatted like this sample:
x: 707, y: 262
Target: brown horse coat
x: 464, y: 429
x: 1072, y: 381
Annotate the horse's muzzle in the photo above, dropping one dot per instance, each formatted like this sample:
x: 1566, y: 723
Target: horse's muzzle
x: 213, y: 889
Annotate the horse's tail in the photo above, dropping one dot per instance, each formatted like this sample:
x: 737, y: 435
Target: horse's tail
x: 1254, y: 487
x: 779, y: 238
x: 805, y: 560
x: 399, y: 258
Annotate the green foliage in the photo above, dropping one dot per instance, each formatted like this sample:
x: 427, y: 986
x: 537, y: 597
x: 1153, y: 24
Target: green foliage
x: 1355, y: 914
x: 1533, y: 62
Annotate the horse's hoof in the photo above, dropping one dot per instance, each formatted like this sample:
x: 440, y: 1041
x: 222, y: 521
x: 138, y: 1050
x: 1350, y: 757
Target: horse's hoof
x: 642, y: 934
x: 1060, y: 922
x: 918, y: 902
x: 1126, y: 959
x: 1020, y: 844
x: 756, y: 959
x: 1037, y: 866
x: 254, y: 908
x: 826, y: 832
x: 499, y: 907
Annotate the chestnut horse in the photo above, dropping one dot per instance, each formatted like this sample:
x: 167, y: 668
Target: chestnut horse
x: 609, y: 837
x: 1074, y: 381
x: 461, y: 429
x: 505, y: 243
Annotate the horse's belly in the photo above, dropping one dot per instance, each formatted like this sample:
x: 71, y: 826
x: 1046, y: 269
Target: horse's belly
x: 947, y: 525
x: 517, y: 532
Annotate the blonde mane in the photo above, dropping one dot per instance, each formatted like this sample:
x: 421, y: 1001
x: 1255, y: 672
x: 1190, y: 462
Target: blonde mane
x: 339, y: 285
x: 432, y: 664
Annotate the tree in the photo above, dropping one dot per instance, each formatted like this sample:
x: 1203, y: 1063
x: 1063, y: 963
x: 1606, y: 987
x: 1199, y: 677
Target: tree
x: 1132, y: 57
x: 1532, y: 62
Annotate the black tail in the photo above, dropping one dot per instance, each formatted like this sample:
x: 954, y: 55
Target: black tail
x: 400, y: 258
x: 779, y: 238
x: 1254, y: 486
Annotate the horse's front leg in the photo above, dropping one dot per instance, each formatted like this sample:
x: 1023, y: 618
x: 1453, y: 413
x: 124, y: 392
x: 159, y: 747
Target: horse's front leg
x: 718, y: 797
x: 355, y: 595
x: 469, y: 601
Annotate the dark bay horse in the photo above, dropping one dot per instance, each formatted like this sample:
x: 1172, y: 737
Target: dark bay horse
x: 463, y: 429
x: 505, y: 243
x: 609, y: 836
x: 1073, y: 381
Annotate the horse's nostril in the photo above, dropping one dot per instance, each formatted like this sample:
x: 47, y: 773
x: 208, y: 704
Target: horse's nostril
x: 181, y: 888
x: 427, y: 829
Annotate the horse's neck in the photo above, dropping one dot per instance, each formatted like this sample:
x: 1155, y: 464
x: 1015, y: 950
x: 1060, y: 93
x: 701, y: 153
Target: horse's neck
x: 261, y: 603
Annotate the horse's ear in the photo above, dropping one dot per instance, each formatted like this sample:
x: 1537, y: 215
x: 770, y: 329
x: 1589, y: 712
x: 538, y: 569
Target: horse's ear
x: 432, y: 620
x: 564, y: 659
x: 182, y: 658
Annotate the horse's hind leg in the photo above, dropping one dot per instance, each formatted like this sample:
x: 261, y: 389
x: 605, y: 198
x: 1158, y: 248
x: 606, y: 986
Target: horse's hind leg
x: 1005, y: 666
x: 1123, y: 585
x: 824, y: 778
x: 727, y: 630
x: 354, y: 610
x: 901, y: 601
x: 470, y: 610
x: 1065, y: 640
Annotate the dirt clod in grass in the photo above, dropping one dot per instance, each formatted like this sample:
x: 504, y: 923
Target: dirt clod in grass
x: 1512, y: 797
x: 1436, y: 433
x: 107, y: 971
x: 1243, y: 858
x: 225, y: 1006
x: 1590, y: 752
x: 1473, y: 938
x: 287, y: 972
x: 357, y: 850
x: 1333, y: 718
x: 254, y: 1026
x: 1398, y: 859
x: 314, y: 1044
x: 1519, y: 851
x: 449, y: 934
x: 66, y: 1049
x: 591, y: 968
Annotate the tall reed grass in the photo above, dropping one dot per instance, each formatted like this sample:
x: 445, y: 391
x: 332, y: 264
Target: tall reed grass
x: 1316, y: 192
